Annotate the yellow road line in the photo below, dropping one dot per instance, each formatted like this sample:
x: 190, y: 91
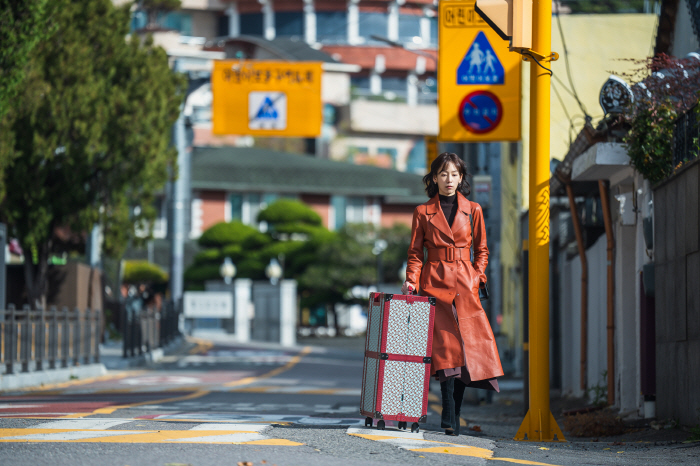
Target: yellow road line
x: 199, y: 393
x: 148, y: 436
x: 74, y: 383
x: 202, y: 345
x: 111, y: 409
x: 292, y: 362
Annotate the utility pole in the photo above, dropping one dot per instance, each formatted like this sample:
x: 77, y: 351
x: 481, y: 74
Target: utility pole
x: 539, y: 424
x: 179, y: 203
x: 528, y: 24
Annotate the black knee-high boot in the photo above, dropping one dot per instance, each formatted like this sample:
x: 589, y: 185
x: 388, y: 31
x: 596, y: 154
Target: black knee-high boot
x: 458, y: 396
x: 447, y: 421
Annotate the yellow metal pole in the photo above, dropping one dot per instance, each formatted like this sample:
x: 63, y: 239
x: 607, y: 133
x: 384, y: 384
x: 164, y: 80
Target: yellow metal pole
x: 539, y: 424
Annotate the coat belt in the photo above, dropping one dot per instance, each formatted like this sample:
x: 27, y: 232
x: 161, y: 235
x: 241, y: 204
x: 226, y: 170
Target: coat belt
x: 449, y: 254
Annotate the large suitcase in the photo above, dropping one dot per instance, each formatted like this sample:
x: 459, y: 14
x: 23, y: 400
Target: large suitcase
x: 398, y: 348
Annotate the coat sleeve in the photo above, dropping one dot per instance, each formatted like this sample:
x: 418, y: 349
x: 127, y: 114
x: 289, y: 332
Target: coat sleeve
x: 415, y: 251
x: 481, y: 251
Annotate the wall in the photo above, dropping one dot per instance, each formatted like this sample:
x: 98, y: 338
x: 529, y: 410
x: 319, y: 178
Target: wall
x: 213, y: 208
x: 570, y: 320
x: 320, y: 204
x: 596, y: 44
x: 684, y: 39
x: 397, y: 213
x: 677, y: 264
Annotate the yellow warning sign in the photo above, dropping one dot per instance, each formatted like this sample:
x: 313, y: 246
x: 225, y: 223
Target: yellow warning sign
x: 261, y: 98
x: 478, y: 78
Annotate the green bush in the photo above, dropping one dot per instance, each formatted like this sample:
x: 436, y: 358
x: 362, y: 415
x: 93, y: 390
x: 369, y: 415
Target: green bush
x: 225, y: 233
x: 289, y: 211
x: 139, y: 271
x: 202, y: 272
x: 208, y: 255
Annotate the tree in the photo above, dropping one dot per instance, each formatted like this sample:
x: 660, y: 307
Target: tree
x: 90, y: 131
x: 295, y: 232
x: 23, y: 23
x: 22, y: 26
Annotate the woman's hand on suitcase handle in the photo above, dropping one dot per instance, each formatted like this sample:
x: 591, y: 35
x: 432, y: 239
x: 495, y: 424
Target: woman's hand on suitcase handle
x: 407, y: 288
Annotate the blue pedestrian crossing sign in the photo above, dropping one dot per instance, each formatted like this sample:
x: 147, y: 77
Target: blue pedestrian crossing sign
x: 267, y: 110
x: 480, y: 65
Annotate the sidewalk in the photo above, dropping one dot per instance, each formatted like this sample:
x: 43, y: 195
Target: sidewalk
x: 111, y: 353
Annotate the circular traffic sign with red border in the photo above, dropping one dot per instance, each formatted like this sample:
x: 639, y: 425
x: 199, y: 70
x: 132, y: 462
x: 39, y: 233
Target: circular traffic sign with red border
x: 480, y: 112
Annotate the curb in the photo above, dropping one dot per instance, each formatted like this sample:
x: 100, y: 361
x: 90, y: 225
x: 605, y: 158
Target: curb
x: 38, y: 378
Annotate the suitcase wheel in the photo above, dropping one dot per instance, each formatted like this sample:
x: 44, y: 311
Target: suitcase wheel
x: 380, y: 425
x: 415, y: 427
x: 403, y: 425
x: 369, y: 421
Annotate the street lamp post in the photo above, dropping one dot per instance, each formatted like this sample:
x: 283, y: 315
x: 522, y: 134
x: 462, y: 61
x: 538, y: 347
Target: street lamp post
x: 227, y: 270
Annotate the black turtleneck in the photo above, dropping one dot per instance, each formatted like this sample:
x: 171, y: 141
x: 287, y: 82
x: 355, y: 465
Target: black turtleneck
x: 448, y: 204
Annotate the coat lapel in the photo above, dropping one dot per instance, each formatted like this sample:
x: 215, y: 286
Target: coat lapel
x: 437, y: 217
x: 462, y: 216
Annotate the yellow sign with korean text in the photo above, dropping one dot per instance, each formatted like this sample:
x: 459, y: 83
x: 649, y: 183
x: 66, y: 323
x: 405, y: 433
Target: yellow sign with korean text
x: 479, y: 78
x: 262, y: 98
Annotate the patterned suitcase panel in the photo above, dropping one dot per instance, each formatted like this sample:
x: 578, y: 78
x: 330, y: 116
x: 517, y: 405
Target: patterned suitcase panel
x: 369, y: 388
x: 397, y: 326
x: 415, y: 387
x: 420, y: 330
x: 392, y: 388
x: 374, y: 324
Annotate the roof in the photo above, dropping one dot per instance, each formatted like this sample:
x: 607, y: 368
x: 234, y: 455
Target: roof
x: 284, y: 48
x: 263, y: 170
x: 396, y: 59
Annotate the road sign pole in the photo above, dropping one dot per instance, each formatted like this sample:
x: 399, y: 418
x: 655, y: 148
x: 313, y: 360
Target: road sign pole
x: 539, y: 424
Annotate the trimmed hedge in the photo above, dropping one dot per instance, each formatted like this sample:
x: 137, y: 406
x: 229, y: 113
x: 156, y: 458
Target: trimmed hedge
x: 140, y: 271
x: 225, y: 233
x: 289, y: 211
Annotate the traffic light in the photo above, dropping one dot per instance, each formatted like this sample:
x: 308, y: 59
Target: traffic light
x: 511, y: 19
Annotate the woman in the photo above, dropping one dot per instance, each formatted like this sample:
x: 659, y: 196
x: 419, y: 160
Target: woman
x: 464, y: 349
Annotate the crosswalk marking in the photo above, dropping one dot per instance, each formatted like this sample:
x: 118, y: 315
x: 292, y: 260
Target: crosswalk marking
x: 97, y: 430
x: 83, y: 424
x: 417, y: 442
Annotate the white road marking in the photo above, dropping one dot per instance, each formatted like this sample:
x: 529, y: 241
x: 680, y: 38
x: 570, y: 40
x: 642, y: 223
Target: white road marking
x: 82, y: 424
x: 11, y: 406
x: 233, y: 427
x: 75, y: 435
x: 238, y: 437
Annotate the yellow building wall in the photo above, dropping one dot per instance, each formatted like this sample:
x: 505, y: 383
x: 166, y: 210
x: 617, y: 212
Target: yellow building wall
x: 597, y: 44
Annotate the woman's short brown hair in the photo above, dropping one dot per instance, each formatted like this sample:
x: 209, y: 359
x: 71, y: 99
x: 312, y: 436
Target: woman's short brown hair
x: 431, y: 188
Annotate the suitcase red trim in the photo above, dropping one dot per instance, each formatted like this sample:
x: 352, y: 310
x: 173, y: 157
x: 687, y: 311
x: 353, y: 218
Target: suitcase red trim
x: 380, y: 354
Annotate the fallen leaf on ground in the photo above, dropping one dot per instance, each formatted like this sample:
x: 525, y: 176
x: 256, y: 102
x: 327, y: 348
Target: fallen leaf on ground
x: 245, y: 463
x: 544, y: 448
x: 475, y: 428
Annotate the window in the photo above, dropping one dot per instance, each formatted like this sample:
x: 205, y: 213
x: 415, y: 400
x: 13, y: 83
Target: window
x: 236, y: 201
x: 417, y: 158
x: 138, y: 20
x: 389, y: 151
x: 179, y: 21
x: 332, y: 26
x: 355, y: 210
x: 252, y: 24
x: 289, y: 23
x: 409, y: 27
x: 393, y: 83
x: 373, y: 24
x: 433, y: 32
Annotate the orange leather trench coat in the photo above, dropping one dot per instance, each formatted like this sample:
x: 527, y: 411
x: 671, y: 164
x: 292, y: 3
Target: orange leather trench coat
x: 463, y: 338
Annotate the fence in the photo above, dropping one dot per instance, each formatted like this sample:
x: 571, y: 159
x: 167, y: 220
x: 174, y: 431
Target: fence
x: 686, y: 137
x: 144, y: 329
x: 40, y: 339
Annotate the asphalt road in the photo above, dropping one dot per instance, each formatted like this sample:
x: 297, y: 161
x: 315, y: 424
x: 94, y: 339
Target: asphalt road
x: 227, y: 404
